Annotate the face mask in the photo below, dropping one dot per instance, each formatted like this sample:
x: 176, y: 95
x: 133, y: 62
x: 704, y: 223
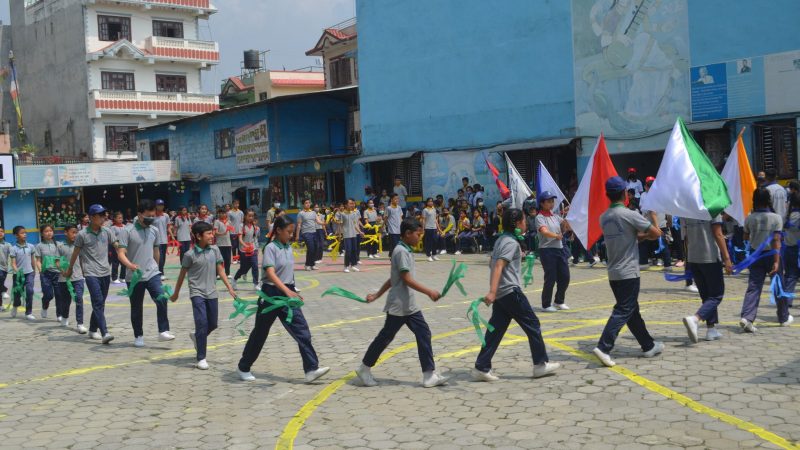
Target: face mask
x: 277, y: 205
x: 148, y: 221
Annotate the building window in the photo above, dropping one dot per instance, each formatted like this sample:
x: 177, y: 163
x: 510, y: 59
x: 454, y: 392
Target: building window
x: 262, y: 96
x: 170, y: 83
x: 119, y: 139
x: 305, y: 186
x: 776, y: 144
x: 114, y: 28
x: 159, y: 150
x: 118, y: 81
x: 276, y: 189
x: 163, y: 28
x: 224, y: 143
x: 341, y: 73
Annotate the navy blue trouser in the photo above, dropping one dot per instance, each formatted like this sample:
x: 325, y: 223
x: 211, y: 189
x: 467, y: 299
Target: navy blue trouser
x: 321, y: 241
x: 429, y: 242
x: 65, y: 300
x: 206, y: 314
x: 626, y: 312
x: 791, y: 270
x: 153, y: 287
x: 556, y: 272
x: 162, y: 257
x: 98, y: 291
x: 185, y: 246
x: 234, y: 245
x: 29, y: 280
x: 226, y: 259
x: 512, y: 306
x: 3, y: 289
x: 350, y: 251
x: 394, y: 239
x: 416, y: 323
x: 311, y: 248
x: 755, y: 284
x: 248, y: 263
x: 49, y: 282
x: 117, y: 269
x: 298, y: 329
x: 711, y: 286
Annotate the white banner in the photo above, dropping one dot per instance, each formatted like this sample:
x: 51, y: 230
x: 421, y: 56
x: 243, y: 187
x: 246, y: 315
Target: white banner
x: 252, y: 146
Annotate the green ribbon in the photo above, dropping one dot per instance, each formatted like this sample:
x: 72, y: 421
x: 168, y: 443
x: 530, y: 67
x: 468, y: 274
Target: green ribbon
x: 529, y: 260
x: 166, y: 294
x: 136, y: 277
x: 339, y: 292
x: 19, y: 283
x: 475, y: 316
x: 63, y: 265
x: 50, y: 262
x: 456, y: 273
x: 247, y: 308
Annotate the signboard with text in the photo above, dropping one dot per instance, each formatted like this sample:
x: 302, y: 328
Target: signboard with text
x: 252, y: 146
x: 97, y: 174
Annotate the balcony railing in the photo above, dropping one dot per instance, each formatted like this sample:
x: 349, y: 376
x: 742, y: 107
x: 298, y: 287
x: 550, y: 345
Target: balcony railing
x: 26, y: 159
x: 204, y: 6
x: 183, y: 49
x: 152, y: 103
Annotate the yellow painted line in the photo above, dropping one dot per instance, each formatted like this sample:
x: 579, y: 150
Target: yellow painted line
x: 681, y: 399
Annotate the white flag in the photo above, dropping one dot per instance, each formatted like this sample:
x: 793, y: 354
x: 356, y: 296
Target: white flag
x: 519, y: 189
x: 545, y: 182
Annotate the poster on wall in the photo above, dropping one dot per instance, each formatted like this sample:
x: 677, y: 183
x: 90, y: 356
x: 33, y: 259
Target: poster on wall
x: 98, y: 174
x: 709, y: 92
x: 7, y: 173
x: 631, y: 65
x: 443, y: 171
x: 57, y: 211
x: 35, y: 177
x: 252, y: 146
x: 782, y: 76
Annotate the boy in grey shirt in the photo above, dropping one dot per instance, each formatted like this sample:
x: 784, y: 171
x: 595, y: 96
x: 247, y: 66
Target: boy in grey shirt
x: 351, y: 227
x: 394, y: 216
x: 402, y: 309
x: 431, y: 239
x: 306, y: 230
x: 5, y: 249
x: 21, y: 255
x: 622, y: 229
x: 65, y: 251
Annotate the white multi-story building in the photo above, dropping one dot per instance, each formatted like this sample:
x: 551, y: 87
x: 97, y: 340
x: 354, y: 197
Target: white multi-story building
x: 90, y: 71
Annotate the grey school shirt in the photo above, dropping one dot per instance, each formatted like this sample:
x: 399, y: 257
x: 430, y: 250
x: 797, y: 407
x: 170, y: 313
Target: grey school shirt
x: 223, y: 240
x: 394, y: 216
x: 793, y: 228
x: 237, y: 219
x: 183, y: 229
x: 65, y: 251
x: 553, y: 224
x: 401, y: 301
x: 161, y: 224
x: 94, y: 251
x: 23, y: 256
x: 349, y: 224
x: 201, y: 271
x: 429, y: 218
x: 402, y: 193
x: 778, y: 195
x: 139, y: 243
x: 249, y: 236
x: 370, y: 215
x: 761, y: 225
x: 280, y: 257
x: 700, y: 243
x: 620, y: 228
x: 43, y: 249
x: 507, y: 248
x: 309, y: 221
x: 5, y: 250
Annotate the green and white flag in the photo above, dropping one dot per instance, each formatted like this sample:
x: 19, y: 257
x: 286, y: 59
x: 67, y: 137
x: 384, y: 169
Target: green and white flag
x: 687, y: 185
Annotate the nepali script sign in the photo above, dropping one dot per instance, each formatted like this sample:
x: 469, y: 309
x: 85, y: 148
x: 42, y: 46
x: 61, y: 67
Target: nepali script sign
x: 252, y: 146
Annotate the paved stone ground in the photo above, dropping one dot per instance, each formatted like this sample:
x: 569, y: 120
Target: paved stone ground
x: 59, y: 389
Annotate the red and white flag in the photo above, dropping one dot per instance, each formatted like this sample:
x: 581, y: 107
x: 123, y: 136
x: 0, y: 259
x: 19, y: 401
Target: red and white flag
x: 590, y: 202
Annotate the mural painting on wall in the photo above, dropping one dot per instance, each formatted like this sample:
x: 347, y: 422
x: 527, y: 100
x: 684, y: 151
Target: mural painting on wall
x: 57, y: 211
x: 443, y: 171
x: 631, y: 65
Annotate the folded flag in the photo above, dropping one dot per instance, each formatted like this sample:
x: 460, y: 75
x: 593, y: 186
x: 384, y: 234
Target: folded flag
x: 741, y: 183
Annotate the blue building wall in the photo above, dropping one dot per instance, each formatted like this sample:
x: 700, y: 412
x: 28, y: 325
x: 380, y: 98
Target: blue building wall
x: 463, y: 73
x: 19, y: 208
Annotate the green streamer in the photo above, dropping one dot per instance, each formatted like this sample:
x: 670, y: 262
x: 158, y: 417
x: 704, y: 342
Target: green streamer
x: 456, y: 273
x: 247, y: 308
x: 475, y: 316
x: 339, y: 292
x: 63, y: 265
x: 19, y: 284
x: 136, y: 277
x: 50, y: 262
x: 529, y: 260
x: 166, y: 294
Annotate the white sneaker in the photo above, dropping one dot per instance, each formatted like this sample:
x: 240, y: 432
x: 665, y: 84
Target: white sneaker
x: 117, y: 281
x: 58, y: 318
x: 347, y: 269
x: 95, y: 335
x: 430, y: 258
x: 358, y: 263
x: 747, y: 326
x: 376, y: 256
x: 163, y: 278
x: 369, y: 256
x: 545, y: 369
x: 478, y: 375
x: 13, y: 311
x: 604, y: 358
x: 202, y: 364
x: 6, y: 296
x: 458, y: 252
x: 364, y: 375
x: 44, y: 314
x: 315, y: 374
x: 234, y: 285
x: 194, y: 340
x: 308, y: 268
x: 658, y: 347
x: 318, y: 262
x: 659, y: 263
x: 355, y: 269
x: 691, y: 327
x: 30, y: 317
x: 550, y: 309
x: 562, y: 306
x: 692, y: 288
x: 166, y: 336
x: 314, y: 268
x: 788, y: 322
x: 433, y: 379
x: 435, y: 258
x: 246, y: 376
x: 81, y: 329
x: 713, y: 335
x: 138, y: 342
x: 64, y: 322
x: 107, y: 338
x: 256, y: 287
x: 443, y: 252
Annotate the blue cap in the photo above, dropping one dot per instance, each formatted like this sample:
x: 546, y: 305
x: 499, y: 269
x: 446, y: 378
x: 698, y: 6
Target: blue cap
x: 546, y: 195
x: 616, y: 184
x: 159, y: 202
x: 96, y: 209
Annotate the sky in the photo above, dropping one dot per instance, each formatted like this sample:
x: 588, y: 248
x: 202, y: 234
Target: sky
x: 287, y: 28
